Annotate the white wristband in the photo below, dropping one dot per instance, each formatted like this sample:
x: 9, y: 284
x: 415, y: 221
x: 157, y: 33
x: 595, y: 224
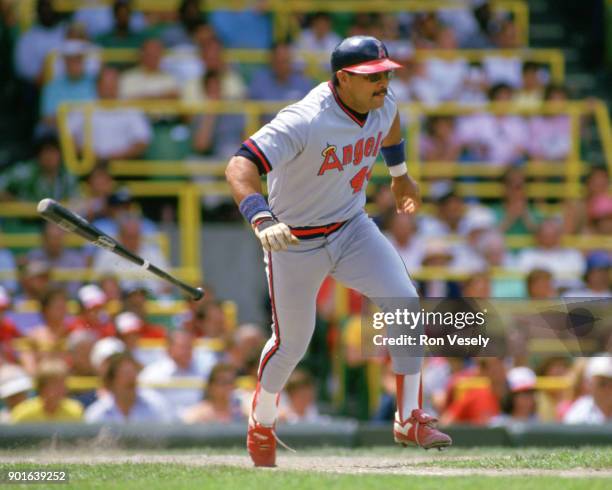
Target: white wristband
x: 261, y: 214
x: 398, y: 170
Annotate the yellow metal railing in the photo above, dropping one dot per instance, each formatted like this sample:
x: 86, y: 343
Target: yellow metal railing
x: 316, y: 61
x: 284, y: 11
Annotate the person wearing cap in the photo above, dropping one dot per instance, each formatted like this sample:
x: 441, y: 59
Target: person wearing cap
x: 51, y: 404
x: 520, y: 403
x: 318, y: 155
x: 595, y: 407
x: 76, y: 85
x: 40, y: 177
x: 101, y: 352
x: 14, y: 387
x: 92, y: 316
x: 135, y: 301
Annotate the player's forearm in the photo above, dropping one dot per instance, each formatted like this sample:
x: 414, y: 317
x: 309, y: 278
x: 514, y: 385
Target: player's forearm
x: 243, y: 178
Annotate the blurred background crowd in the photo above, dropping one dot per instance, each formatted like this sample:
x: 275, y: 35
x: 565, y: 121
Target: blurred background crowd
x: 85, y: 337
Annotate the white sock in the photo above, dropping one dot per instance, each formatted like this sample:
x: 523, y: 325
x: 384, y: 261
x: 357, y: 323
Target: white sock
x: 410, y: 396
x: 265, y: 408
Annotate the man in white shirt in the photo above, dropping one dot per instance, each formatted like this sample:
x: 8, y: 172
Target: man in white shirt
x: 566, y: 264
x: 116, y: 133
x: 180, y: 364
x: 595, y: 408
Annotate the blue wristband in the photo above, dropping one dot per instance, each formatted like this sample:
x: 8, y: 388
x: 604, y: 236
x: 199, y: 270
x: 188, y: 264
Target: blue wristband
x: 394, y: 154
x: 253, y: 204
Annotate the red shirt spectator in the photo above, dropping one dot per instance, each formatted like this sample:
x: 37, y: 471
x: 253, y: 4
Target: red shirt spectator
x: 92, y: 316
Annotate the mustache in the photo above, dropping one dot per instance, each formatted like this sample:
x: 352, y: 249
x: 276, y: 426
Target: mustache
x: 381, y: 92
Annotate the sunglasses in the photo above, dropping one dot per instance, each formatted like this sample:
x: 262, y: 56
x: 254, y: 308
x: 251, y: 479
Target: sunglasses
x: 374, y: 77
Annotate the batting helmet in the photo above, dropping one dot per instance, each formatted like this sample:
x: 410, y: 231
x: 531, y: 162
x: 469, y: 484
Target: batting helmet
x: 362, y: 54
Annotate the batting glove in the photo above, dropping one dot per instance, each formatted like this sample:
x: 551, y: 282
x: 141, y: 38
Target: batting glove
x: 274, y: 235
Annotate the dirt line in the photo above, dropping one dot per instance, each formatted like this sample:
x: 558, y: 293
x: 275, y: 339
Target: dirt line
x: 404, y: 465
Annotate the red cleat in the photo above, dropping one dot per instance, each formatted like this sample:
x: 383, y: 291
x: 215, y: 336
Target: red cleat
x: 419, y: 430
x: 261, y: 443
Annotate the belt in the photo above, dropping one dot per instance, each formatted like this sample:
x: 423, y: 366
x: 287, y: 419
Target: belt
x: 308, y: 232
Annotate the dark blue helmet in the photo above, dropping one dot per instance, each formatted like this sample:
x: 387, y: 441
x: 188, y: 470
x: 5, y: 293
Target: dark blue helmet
x: 362, y: 54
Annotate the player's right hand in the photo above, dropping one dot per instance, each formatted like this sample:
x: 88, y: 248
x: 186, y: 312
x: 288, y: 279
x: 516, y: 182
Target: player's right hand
x: 274, y: 235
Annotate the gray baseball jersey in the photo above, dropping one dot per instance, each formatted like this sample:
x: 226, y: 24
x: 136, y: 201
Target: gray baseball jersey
x: 318, y: 156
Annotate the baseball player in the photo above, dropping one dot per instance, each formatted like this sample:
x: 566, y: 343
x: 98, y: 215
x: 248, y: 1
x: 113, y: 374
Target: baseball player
x: 318, y: 155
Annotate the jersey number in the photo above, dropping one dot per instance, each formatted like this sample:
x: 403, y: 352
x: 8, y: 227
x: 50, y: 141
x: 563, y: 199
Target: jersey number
x: 358, y: 180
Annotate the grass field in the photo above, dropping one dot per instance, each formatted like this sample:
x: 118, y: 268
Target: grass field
x: 375, y: 468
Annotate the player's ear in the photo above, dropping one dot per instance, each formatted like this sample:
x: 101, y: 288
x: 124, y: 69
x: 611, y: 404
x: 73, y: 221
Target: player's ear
x: 342, y: 77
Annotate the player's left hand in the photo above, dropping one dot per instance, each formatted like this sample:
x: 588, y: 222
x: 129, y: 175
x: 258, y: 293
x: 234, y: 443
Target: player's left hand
x: 406, y: 193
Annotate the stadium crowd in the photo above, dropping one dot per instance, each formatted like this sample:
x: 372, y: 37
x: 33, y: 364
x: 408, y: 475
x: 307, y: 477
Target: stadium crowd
x: 55, y: 337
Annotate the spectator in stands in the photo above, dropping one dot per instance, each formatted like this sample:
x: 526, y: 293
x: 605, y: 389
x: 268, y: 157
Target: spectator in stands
x: 214, y: 324
x: 190, y: 17
x: 34, y: 280
x: 14, y: 387
x: 116, y: 133
x: 425, y: 29
x: 79, y: 346
x: 109, y: 283
x: 520, y: 403
x: 477, y: 285
x: 126, y: 402
x: 449, y: 214
x: 221, y: 402
x: 566, y: 264
x: 216, y: 135
x: 550, y: 400
x: 131, y: 276
x: 514, y: 215
x: 135, y: 301
x: 596, y: 277
x: 446, y: 75
x: 579, y: 214
x: 181, y: 364
x: 34, y: 44
x: 404, y: 237
x: 124, y: 34
x: 213, y: 59
x: 300, y: 401
x: 53, y: 251
x: 499, y: 139
x: 595, y: 407
x: 147, y: 80
x: 51, y: 404
x: 384, y: 204
x: 551, y: 135
x: 279, y: 81
x: 120, y: 204
x: 441, y: 142
x: 39, y: 178
x: 92, y: 60
x: 504, y: 69
x: 92, y: 315
x: 99, y: 187
x: 47, y: 338
x: 475, y: 224
x: 318, y: 36
x: 102, y: 352
x: 476, y: 405
x: 247, y: 28
x: 75, y: 86
x: 491, y: 246
x: 540, y: 284
x: 98, y: 19
x: 531, y: 93
x: 438, y: 253
x: 244, y: 350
